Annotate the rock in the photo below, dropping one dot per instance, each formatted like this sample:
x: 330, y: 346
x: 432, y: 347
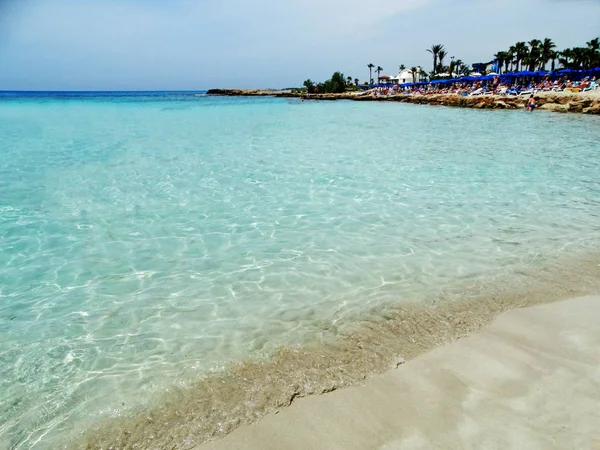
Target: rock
x: 398, y: 361
x: 595, y: 109
x: 554, y: 107
x: 575, y: 107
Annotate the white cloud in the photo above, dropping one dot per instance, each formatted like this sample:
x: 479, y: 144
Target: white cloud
x: 146, y: 44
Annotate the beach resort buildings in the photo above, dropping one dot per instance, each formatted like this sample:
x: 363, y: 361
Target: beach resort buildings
x: 404, y: 76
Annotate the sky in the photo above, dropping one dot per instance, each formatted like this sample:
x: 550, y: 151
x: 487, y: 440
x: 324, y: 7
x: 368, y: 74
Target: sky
x: 200, y: 44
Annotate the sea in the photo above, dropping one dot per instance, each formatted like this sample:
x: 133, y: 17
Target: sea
x: 173, y: 264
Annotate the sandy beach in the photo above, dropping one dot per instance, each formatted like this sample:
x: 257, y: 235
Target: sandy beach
x: 530, y: 380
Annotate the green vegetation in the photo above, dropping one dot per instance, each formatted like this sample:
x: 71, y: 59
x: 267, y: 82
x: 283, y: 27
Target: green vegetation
x: 371, y: 66
x: 336, y: 84
x: 536, y: 55
x: 533, y: 55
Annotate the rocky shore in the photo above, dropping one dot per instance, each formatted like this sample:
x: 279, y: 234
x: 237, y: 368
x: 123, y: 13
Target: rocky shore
x: 252, y: 93
x: 563, y: 102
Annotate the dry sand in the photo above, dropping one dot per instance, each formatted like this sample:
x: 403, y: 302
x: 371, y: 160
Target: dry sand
x: 531, y: 380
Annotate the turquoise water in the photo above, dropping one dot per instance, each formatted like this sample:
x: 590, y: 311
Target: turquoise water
x: 146, y: 240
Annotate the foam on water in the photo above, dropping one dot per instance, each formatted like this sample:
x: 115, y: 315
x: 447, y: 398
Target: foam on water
x: 146, y: 241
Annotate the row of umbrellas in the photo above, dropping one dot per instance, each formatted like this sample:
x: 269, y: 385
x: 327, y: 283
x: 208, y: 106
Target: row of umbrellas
x: 523, y: 73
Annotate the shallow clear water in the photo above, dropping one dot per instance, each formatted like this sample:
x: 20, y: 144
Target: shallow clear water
x: 145, y: 240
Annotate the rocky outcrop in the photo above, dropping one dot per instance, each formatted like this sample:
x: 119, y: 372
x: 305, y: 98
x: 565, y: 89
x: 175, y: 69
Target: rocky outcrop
x: 594, y: 109
x: 556, y: 102
x: 251, y: 93
x: 555, y: 107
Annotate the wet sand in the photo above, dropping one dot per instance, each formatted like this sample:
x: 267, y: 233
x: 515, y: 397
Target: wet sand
x: 416, y: 395
x: 530, y: 380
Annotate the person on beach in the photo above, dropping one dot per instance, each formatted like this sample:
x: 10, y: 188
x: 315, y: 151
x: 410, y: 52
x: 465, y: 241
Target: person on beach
x: 530, y: 103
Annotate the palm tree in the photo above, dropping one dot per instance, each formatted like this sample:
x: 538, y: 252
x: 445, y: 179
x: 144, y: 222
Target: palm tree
x: 501, y: 58
x: 564, y: 58
x: 464, y: 69
x: 512, y: 55
x: 435, y: 50
x: 553, y: 55
x: 378, y: 70
x: 521, y: 51
x: 348, y: 81
x: 356, y: 81
x: 414, y: 73
x: 580, y: 57
x: 441, y: 55
x: 594, y: 50
x: 401, y: 67
x: 546, y: 50
x: 457, y: 65
x: 370, y: 66
x: 533, y: 57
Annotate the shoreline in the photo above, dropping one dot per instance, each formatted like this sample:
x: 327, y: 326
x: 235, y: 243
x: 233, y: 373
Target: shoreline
x: 562, y: 102
x: 248, y: 391
x: 531, y: 371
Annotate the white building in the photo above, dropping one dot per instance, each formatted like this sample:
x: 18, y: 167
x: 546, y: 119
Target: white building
x: 406, y: 76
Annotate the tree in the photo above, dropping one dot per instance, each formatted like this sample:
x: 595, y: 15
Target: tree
x: 435, y: 50
x: 310, y: 86
x: 401, y: 67
x: 594, y: 50
x: 348, y: 81
x: 534, y: 55
x: 464, y: 69
x: 422, y: 74
x: 414, y: 73
x: 457, y: 64
x: 378, y: 70
x: 370, y: 66
x: 521, y: 51
x: 580, y: 57
x: 546, y: 52
x: 356, y: 81
x: 553, y: 57
x: 441, y: 55
x: 502, y: 59
x: 512, y: 55
x: 564, y: 58
x: 336, y: 84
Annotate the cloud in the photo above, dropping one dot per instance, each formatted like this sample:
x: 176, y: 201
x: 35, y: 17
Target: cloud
x: 191, y: 44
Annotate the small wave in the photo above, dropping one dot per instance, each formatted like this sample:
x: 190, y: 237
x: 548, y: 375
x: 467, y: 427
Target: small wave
x: 220, y: 402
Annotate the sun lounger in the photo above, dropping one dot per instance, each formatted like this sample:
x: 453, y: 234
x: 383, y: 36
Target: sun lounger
x: 528, y: 92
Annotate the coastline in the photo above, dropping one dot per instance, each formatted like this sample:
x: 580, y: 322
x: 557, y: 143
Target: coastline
x: 562, y: 102
x: 255, y: 390
x: 531, y: 372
